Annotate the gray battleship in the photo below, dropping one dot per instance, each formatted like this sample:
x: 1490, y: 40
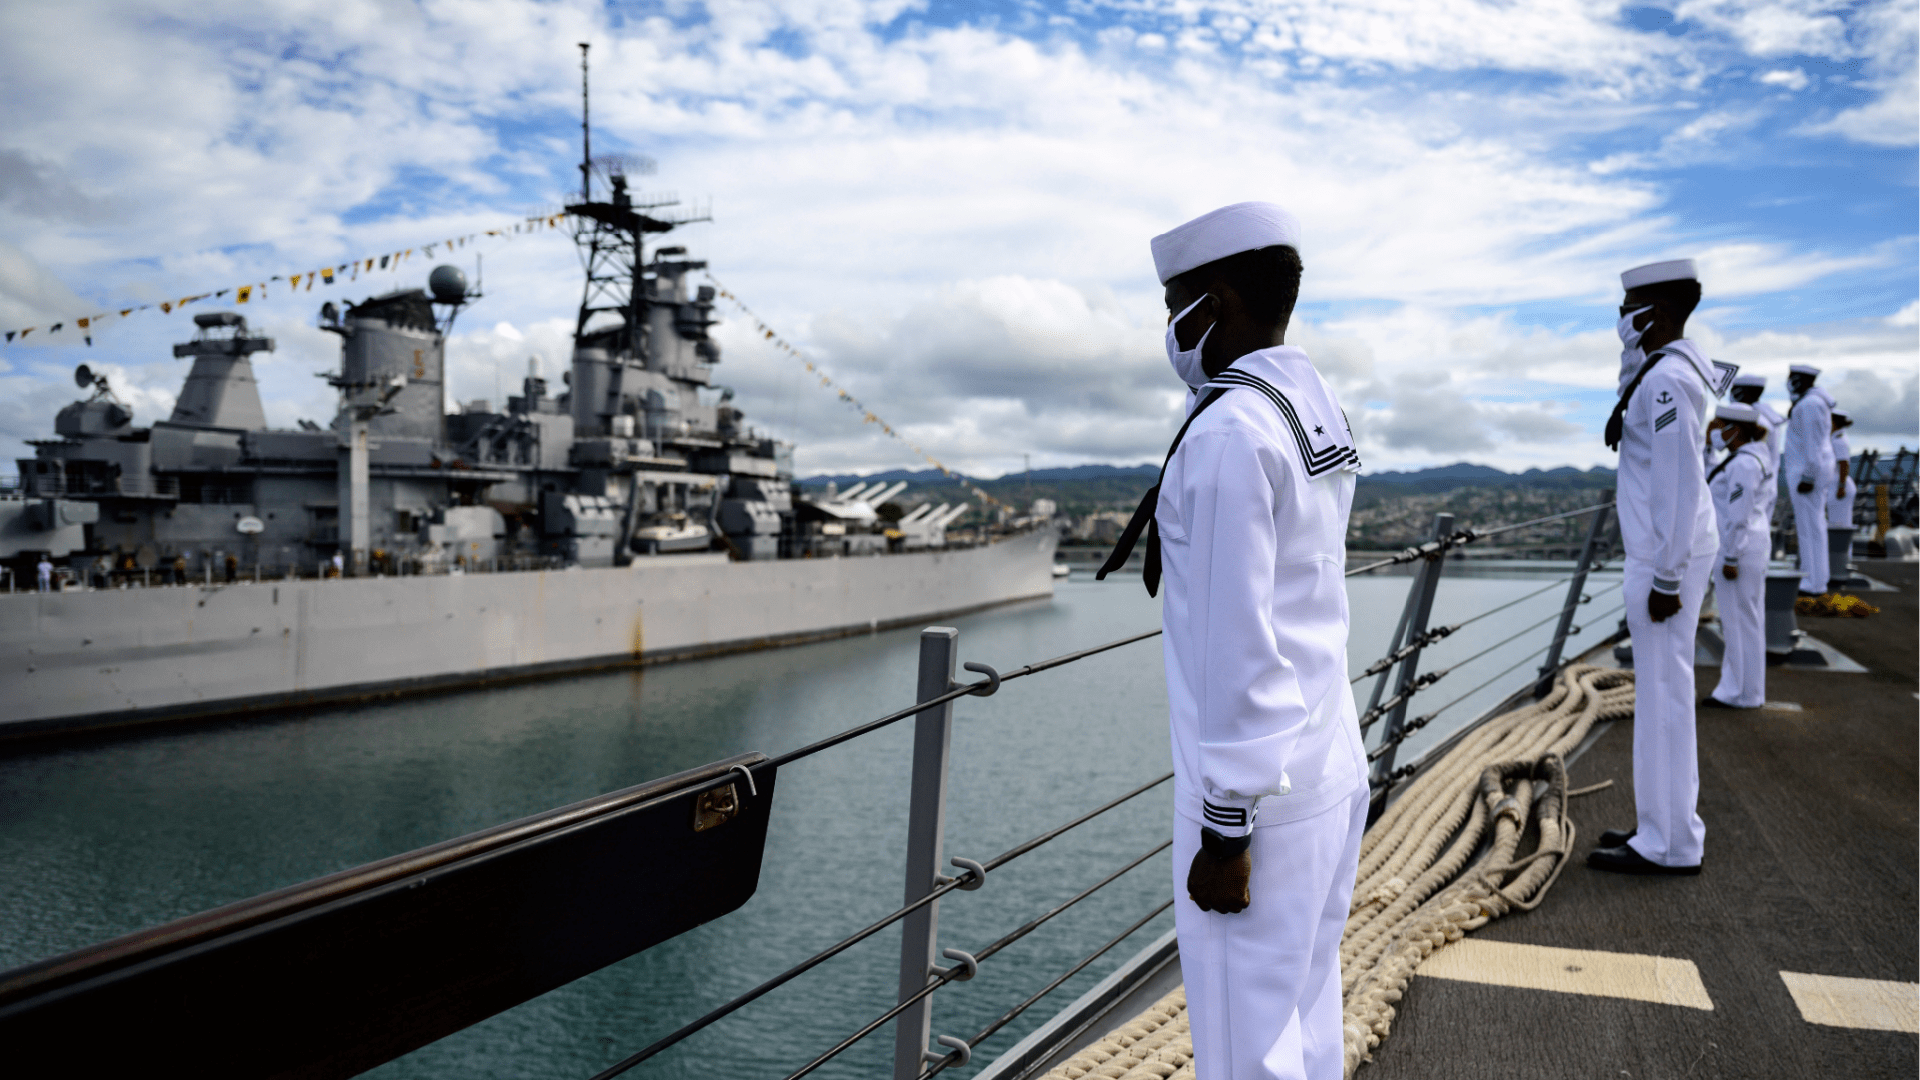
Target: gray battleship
x: 637, y: 488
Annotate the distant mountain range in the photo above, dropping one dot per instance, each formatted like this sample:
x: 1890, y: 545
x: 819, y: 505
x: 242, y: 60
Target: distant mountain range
x: 1433, y: 481
x: 1446, y: 478
x: 1076, y: 472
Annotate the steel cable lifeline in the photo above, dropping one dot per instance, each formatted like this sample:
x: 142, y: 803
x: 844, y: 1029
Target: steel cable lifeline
x: 1466, y: 536
x: 1417, y: 723
x: 1440, y: 632
x: 967, y: 880
x: 969, y: 965
x: 1368, y: 718
x: 1014, y: 1013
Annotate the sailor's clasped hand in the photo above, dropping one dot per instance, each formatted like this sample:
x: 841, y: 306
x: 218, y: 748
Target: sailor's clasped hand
x: 1661, y: 605
x: 1217, y: 880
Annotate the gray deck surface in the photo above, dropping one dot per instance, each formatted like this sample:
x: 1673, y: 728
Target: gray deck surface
x: 1811, y: 867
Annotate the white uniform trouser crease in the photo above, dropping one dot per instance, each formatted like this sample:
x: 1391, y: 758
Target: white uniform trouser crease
x: 1666, y: 764
x: 1263, y: 986
x: 1743, y: 623
x: 1810, y: 528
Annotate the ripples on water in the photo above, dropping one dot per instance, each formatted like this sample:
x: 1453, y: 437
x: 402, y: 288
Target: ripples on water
x: 102, y: 838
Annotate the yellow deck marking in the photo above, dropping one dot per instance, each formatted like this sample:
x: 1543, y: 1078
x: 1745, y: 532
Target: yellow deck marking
x: 1855, y: 1003
x: 1782, y: 706
x: 1658, y: 979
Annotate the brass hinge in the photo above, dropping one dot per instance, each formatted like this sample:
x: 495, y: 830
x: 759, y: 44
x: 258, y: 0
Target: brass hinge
x: 715, y: 807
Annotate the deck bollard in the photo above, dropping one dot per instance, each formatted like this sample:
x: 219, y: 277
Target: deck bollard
x: 1783, y: 588
x: 926, y: 830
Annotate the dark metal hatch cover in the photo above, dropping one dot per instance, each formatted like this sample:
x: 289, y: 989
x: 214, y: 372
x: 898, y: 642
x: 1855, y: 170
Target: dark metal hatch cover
x: 337, y: 975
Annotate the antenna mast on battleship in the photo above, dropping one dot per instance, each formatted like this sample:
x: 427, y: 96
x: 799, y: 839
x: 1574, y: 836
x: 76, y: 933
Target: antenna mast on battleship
x: 586, y: 130
x: 610, y: 234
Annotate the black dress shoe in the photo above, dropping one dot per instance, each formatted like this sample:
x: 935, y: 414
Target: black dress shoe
x: 1711, y: 702
x: 1616, y: 837
x: 1625, y: 860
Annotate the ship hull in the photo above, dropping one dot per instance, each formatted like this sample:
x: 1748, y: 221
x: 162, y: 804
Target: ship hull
x: 87, y: 660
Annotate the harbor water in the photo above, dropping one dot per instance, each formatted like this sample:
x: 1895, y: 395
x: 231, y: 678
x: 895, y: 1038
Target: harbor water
x: 103, y: 837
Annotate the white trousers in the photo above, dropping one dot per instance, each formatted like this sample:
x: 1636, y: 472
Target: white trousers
x: 1810, y: 526
x: 1840, y: 507
x: 1666, y: 761
x: 1263, y: 986
x: 1743, y: 622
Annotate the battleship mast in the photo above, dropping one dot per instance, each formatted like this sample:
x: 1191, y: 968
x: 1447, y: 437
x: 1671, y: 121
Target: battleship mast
x: 610, y: 233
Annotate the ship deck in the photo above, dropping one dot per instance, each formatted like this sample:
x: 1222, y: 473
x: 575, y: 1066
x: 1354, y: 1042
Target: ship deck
x: 1791, y: 954
x: 1810, y: 871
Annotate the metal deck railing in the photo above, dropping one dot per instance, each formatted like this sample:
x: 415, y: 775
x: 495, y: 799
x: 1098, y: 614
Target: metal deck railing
x: 443, y: 933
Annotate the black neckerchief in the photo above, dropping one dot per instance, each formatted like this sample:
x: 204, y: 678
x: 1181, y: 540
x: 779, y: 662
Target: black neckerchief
x: 1720, y: 468
x: 1143, y: 517
x: 1617, y: 423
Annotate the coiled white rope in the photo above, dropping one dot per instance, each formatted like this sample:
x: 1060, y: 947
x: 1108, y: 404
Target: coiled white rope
x: 1415, y: 891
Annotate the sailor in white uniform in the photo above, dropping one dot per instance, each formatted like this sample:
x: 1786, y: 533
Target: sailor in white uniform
x: 1845, y: 488
x: 1808, y: 468
x: 1668, y: 530
x: 1840, y: 507
x: 1746, y: 390
x: 1270, y: 784
x: 1739, y: 485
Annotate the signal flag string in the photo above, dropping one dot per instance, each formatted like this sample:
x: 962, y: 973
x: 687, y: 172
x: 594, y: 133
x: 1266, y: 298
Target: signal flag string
x: 772, y: 337
x: 302, y: 281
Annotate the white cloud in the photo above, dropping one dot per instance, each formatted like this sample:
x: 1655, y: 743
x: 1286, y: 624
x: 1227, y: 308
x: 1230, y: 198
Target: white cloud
x: 1747, y: 269
x: 29, y: 295
x: 1884, y: 410
x: 1790, y: 78
x: 953, y: 218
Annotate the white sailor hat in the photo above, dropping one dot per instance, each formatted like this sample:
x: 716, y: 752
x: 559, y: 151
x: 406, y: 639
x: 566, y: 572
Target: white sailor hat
x: 1743, y: 414
x: 1840, y: 414
x: 1230, y: 230
x: 1804, y: 369
x: 1655, y: 273
x: 1747, y: 378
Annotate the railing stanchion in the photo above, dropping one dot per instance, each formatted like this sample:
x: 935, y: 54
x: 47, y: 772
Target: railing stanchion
x: 1595, y: 534
x: 926, y: 827
x: 1419, y: 607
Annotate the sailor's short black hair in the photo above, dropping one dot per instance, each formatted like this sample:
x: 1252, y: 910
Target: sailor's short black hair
x: 1678, y: 298
x: 1266, y: 279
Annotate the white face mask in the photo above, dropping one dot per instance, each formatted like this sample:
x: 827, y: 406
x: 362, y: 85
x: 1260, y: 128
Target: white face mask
x: 1186, y: 362
x: 1717, y: 438
x: 1631, y: 357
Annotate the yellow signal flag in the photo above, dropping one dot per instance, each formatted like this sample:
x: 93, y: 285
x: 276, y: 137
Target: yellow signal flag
x: 295, y: 280
x: 125, y: 311
x: 82, y: 323
x: 769, y: 335
x: 326, y: 274
x: 244, y: 293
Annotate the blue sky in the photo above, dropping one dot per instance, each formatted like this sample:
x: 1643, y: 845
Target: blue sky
x: 948, y: 203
